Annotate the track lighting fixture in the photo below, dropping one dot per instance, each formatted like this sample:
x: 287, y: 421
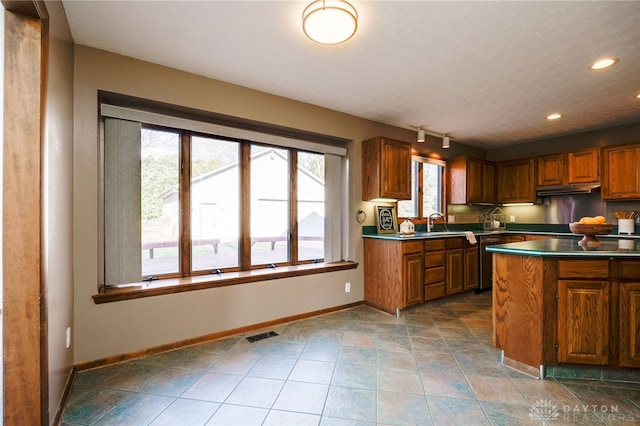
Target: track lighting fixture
x: 422, y: 136
x: 446, y: 142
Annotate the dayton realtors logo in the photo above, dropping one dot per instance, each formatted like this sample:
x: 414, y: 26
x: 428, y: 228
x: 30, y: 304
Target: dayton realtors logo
x: 546, y: 410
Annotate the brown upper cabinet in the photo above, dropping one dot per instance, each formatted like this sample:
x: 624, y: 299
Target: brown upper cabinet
x: 551, y: 170
x: 516, y: 181
x: 471, y: 180
x: 584, y: 166
x: 621, y: 172
x: 571, y: 168
x: 386, y: 169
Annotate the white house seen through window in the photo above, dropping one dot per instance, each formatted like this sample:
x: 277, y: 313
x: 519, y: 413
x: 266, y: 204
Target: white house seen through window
x: 427, y: 189
x: 179, y: 203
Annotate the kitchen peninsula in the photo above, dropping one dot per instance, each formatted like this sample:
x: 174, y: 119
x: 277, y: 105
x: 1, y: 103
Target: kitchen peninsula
x: 556, y: 302
x: 405, y: 270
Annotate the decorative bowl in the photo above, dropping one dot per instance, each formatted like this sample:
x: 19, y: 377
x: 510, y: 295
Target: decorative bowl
x: 589, y: 232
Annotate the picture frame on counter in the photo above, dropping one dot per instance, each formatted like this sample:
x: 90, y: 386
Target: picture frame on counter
x: 386, y: 220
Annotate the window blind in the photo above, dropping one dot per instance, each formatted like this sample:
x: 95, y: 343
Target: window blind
x: 113, y: 111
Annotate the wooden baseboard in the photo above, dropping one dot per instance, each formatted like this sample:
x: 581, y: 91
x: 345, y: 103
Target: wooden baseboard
x: 68, y: 386
x: 521, y: 367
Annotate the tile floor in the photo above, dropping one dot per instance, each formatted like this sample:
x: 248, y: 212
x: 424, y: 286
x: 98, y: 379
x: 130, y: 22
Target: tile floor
x: 434, y: 365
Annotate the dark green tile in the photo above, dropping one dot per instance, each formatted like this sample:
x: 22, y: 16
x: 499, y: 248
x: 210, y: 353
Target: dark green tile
x: 351, y: 404
x: 171, y: 381
x: 94, y: 404
x: 139, y: 409
x: 456, y: 411
x: 355, y: 376
x: 186, y: 412
x: 403, y: 409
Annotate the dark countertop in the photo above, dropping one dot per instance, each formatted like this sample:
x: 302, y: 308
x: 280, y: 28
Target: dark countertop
x: 569, y: 247
x: 427, y: 235
x: 481, y: 233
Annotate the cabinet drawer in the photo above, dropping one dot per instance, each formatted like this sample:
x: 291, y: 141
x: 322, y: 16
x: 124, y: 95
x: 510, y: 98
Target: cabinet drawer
x: 453, y: 243
x: 412, y: 247
x: 582, y: 269
x: 433, y: 245
x: 434, y: 291
x: 629, y: 270
x: 434, y: 275
x: 434, y: 258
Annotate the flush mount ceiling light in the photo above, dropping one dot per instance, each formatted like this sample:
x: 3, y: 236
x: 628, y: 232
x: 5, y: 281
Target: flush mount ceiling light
x: 604, y: 63
x: 554, y: 116
x: 421, y: 135
x: 329, y: 21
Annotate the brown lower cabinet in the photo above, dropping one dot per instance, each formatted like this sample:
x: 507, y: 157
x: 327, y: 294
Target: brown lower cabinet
x: 549, y: 311
x: 434, y: 272
x: 398, y: 274
x: 629, y: 323
x: 583, y: 322
x: 471, y: 267
x: 455, y: 265
x: 412, y: 276
x: 393, y: 273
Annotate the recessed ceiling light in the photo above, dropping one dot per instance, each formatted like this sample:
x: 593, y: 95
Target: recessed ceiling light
x: 638, y: 96
x: 604, y: 63
x: 554, y: 116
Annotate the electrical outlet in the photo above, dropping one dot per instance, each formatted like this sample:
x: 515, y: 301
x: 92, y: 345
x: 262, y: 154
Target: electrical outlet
x: 68, y: 337
x: 347, y: 287
x: 512, y: 218
x: 452, y: 218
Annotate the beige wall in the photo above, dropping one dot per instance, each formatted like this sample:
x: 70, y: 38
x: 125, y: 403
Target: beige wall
x: 121, y: 327
x: 57, y: 202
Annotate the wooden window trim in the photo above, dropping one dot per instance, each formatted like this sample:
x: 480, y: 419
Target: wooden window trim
x: 201, y: 282
x: 421, y: 159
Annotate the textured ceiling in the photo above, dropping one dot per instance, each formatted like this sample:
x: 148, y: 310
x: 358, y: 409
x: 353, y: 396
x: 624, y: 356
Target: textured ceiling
x: 486, y: 73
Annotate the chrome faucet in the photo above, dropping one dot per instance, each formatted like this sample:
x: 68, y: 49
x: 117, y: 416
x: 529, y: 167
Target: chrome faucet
x: 430, y: 219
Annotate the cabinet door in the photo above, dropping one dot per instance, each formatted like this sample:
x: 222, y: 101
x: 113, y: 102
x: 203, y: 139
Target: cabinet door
x: 629, y: 324
x: 488, y: 182
x: 621, y: 173
x: 583, y: 166
x: 455, y: 271
x: 395, y: 170
x: 474, y: 180
x: 463, y: 184
x: 551, y: 170
x: 412, y: 267
x: 583, y: 322
x: 470, y: 268
x: 516, y: 181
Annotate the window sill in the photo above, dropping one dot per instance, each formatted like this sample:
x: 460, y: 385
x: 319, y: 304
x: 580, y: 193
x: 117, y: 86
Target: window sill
x: 201, y: 282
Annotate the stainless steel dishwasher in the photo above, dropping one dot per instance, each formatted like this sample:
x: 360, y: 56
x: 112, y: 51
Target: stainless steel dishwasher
x: 484, y: 264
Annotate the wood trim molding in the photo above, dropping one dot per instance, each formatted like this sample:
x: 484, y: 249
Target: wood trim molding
x: 35, y: 9
x: 201, y: 282
x: 25, y: 378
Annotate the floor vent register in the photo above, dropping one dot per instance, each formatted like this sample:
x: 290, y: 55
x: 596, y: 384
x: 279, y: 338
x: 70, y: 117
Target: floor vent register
x: 262, y: 336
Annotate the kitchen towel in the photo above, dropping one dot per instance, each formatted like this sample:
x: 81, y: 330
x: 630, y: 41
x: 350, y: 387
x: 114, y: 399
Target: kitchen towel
x: 470, y: 237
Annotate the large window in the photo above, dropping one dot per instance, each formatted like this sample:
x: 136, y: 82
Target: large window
x: 179, y: 203
x: 427, y: 189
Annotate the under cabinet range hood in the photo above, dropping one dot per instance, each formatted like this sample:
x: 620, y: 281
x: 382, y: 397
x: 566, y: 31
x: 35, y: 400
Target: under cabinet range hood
x: 586, y: 188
